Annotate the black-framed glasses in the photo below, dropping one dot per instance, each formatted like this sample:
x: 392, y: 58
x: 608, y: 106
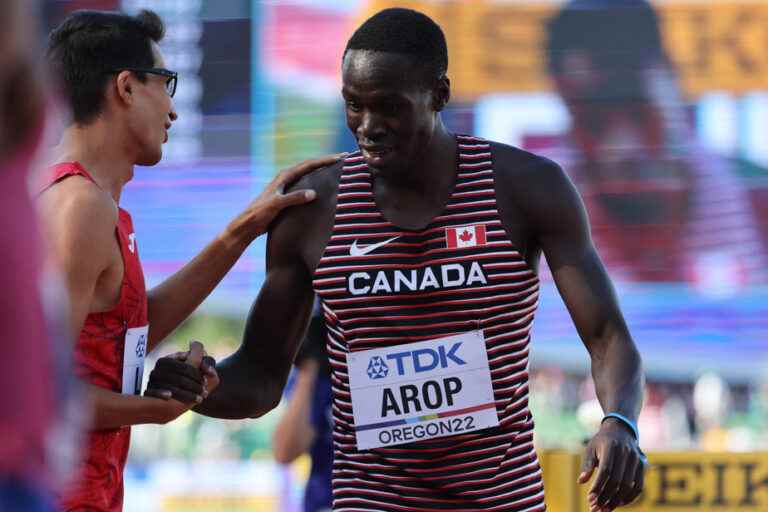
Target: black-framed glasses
x: 170, y: 83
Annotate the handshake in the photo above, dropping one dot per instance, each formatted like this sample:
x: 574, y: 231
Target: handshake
x: 182, y: 380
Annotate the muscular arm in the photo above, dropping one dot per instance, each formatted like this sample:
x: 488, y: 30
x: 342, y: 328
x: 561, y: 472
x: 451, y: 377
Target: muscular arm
x: 80, y: 222
x: 555, y: 222
x: 252, y: 379
x: 113, y: 410
x: 563, y: 234
x: 172, y: 301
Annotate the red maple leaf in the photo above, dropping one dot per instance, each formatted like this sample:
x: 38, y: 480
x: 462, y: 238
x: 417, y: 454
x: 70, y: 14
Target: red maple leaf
x: 466, y: 236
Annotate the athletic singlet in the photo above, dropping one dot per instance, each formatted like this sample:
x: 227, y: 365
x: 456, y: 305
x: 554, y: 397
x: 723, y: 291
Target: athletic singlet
x: 391, y: 298
x: 99, y: 356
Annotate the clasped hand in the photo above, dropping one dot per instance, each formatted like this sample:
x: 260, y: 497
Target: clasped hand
x: 188, y: 377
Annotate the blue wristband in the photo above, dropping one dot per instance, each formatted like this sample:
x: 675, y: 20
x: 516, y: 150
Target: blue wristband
x: 628, y: 422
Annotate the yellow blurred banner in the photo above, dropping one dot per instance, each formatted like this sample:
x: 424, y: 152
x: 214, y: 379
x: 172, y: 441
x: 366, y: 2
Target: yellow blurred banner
x: 679, y: 482
x: 497, y: 46
x: 220, y: 503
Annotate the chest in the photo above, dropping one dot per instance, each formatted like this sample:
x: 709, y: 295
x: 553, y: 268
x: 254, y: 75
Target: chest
x: 387, y: 285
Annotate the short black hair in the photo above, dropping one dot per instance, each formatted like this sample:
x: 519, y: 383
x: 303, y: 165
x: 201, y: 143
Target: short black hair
x: 406, y: 32
x: 89, y: 46
x: 617, y: 34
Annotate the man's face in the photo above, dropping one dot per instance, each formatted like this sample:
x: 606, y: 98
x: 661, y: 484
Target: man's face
x: 617, y: 113
x: 152, y: 114
x: 389, y: 108
x: 621, y: 122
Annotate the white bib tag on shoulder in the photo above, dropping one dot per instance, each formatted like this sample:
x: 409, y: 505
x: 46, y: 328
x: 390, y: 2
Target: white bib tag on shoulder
x: 133, y: 359
x: 421, y: 390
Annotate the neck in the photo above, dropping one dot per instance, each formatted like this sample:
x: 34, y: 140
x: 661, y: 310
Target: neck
x: 438, y: 155
x: 97, y: 148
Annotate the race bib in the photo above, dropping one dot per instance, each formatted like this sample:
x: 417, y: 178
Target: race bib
x: 421, y: 390
x: 133, y: 359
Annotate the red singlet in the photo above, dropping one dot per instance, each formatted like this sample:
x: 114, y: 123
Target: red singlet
x: 99, y: 361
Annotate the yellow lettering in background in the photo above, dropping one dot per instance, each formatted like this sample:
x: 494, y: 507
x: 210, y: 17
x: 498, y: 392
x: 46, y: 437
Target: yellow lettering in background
x: 230, y: 503
x: 499, y: 46
x: 675, y: 482
x: 719, y: 46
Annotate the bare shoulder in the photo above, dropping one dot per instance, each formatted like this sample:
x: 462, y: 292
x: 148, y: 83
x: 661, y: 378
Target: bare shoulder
x: 76, y: 211
x: 304, y: 230
x: 77, y: 197
x: 536, y: 188
x: 527, y: 170
x: 325, y: 181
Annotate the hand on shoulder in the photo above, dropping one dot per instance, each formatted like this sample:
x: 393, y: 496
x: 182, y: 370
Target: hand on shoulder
x: 257, y: 217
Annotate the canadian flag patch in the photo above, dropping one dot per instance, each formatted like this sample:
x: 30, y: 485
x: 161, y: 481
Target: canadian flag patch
x: 465, y: 236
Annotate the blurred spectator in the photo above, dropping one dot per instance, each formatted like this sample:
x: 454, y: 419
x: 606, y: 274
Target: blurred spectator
x: 662, y: 207
x: 306, y: 424
x: 675, y: 423
x: 33, y: 394
x: 652, y: 420
x: 712, y: 403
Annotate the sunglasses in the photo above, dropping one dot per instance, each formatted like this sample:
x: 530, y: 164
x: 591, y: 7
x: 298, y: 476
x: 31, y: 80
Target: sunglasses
x: 171, y: 76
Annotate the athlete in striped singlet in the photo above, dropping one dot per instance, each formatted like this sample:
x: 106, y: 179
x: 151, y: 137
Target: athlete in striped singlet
x: 424, y: 249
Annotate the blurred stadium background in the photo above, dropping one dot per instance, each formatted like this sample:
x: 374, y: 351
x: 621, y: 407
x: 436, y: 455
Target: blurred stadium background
x: 259, y: 89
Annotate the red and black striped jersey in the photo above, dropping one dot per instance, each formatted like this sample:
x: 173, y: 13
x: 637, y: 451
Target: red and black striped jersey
x: 384, y: 286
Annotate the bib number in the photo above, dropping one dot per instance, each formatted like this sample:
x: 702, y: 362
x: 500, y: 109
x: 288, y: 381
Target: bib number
x: 133, y: 359
x: 421, y: 390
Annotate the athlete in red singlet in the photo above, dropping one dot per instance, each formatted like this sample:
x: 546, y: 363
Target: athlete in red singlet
x: 120, y: 92
x: 99, y: 359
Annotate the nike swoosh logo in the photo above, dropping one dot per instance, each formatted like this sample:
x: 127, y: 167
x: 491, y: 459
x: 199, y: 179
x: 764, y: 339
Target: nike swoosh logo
x: 355, y: 250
